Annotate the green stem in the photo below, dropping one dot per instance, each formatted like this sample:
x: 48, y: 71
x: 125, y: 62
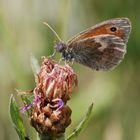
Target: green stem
x: 62, y: 137
x: 50, y: 137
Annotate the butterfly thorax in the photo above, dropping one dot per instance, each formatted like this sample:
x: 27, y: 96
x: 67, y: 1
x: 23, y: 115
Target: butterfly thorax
x: 66, y: 52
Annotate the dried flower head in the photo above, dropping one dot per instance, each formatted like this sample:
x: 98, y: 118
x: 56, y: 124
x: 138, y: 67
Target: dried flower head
x: 54, y: 85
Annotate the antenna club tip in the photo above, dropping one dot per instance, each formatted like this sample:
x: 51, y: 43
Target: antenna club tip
x: 45, y: 23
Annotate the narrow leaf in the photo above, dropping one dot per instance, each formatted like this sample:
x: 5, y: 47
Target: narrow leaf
x: 26, y: 100
x: 16, y: 119
x: 35, y: 65
x: 82, y: 125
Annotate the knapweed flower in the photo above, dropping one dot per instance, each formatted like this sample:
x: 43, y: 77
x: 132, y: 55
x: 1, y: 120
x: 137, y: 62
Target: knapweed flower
x: 54, y: 85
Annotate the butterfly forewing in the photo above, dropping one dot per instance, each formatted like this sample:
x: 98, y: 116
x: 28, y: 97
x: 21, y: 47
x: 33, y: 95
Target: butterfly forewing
x: 123, y: 26
x: 102, y: 52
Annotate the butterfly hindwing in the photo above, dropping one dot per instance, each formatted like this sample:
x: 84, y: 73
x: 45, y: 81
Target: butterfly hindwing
x: 101, y: 52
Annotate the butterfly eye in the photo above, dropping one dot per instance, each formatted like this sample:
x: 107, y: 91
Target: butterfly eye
x: 113, y: 29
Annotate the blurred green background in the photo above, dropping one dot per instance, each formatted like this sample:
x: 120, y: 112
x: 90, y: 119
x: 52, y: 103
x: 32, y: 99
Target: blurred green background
x: 116, y: 94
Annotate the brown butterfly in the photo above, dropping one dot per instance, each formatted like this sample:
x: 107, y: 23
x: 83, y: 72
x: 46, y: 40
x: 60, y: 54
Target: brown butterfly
x: 101, y: 47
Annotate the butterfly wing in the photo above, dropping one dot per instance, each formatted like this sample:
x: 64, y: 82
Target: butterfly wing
x: 102, y: 52
x: 99, y: 47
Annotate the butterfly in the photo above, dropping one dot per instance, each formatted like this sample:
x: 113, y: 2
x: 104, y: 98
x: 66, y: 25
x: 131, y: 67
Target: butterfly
x: 101, y: 47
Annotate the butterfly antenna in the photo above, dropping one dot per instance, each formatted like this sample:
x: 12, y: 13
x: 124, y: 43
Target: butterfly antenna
x: 45, y: 23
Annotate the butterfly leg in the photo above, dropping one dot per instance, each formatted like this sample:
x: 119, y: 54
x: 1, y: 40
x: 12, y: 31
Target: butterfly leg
x: 51, y: 56
x: 72, y: 61
x: 61, y: 59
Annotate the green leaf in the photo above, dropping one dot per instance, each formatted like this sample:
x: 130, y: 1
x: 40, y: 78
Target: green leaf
x: 16, y: 119
x: 82, y: 125
x: 35, y: 65
x: 27, y: 100
x: 50, y: 137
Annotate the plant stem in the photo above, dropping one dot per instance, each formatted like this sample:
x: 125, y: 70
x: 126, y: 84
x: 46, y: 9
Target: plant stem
x: 50, y: 137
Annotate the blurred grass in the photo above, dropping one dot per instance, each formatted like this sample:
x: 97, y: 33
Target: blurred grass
x: 116, y: 94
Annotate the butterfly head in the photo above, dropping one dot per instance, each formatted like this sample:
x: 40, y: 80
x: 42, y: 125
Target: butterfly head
x: 67, y: 54
x: 60, y: 47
